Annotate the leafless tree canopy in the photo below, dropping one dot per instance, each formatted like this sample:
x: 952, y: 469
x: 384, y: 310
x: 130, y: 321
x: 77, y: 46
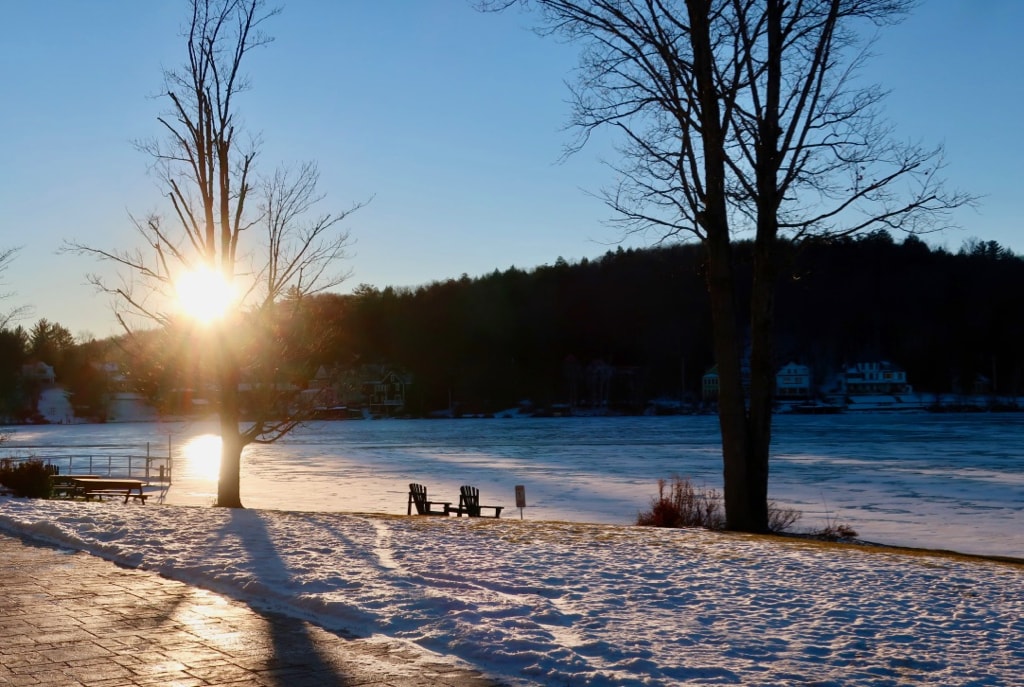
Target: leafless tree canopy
x: 6, y: 257
x: 787, y: 86
x: 745, y: 117
x: 263, y: 233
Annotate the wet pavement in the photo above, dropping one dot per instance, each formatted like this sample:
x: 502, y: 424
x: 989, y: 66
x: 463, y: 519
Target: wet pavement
x: 69, y: 618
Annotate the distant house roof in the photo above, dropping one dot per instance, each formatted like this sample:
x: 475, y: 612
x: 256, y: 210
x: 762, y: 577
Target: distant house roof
x: 38, y: 370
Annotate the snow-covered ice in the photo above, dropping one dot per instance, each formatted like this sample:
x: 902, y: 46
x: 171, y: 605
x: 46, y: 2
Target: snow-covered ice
x: 560, y: 603
x: 920, y: 479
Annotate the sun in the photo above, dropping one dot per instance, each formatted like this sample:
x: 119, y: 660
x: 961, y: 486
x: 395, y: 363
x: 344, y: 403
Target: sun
x: 204, y: 294
x: 201, y: 456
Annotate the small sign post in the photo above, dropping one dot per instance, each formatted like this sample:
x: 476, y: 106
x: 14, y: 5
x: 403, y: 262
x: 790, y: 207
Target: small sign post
x: 520, y: 499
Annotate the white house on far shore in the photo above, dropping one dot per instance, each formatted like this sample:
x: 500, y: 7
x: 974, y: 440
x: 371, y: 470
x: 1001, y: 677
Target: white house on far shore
x: 880, y: 377
x: 793, y: 381
x: 39, y: 372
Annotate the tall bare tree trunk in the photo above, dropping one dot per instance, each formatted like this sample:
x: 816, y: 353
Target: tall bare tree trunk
x: 732, y: 415
x: 229, y: 488
x: 714, y: 219
x: 762, y: 387
x: 762, y: 298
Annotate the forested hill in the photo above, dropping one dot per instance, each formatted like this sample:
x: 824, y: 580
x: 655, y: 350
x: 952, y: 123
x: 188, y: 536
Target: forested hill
x: 637, y: 321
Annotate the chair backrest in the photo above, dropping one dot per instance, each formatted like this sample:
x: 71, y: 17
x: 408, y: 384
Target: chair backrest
x: 418, y: 498
x: 469, y: 499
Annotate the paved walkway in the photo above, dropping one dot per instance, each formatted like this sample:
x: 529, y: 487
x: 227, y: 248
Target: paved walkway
x: 73, y: 619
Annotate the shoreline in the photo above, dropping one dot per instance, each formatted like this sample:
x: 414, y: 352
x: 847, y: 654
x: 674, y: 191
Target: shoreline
x: 931, y: 481
x: 794, y: 537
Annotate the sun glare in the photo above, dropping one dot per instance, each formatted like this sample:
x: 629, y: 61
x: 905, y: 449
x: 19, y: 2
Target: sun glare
x: 204, y: 294
x: 202, y: 457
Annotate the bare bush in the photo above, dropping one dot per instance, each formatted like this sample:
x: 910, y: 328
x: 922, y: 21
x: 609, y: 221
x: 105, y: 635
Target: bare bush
x: 681, y: 504
x: 781, y: 519
x: 835, y: 532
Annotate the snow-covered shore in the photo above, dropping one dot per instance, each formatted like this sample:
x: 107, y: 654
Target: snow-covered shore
x: 557, y: 603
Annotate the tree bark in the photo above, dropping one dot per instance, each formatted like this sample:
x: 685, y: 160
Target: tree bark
x: 229, y: 488
x: 762, y: 387
x: 732, y: 417
x: 762, y: 297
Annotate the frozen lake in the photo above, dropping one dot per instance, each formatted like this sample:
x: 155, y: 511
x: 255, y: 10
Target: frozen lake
x: 938, y: 481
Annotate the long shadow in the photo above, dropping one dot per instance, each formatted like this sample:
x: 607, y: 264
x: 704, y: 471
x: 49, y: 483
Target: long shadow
x: 295, y: 649
x: 284, y: 651
x: 302, y: 651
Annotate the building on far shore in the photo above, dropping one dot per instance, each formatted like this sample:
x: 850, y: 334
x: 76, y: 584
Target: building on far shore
x: 881, y: 377
x: 793, y: 381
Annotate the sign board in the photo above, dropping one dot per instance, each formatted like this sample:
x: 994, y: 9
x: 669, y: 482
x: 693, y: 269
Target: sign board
x: 520, y: 496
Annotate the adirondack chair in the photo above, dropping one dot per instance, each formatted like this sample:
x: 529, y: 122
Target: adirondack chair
x: 469, y: 503
x: 418, y: 498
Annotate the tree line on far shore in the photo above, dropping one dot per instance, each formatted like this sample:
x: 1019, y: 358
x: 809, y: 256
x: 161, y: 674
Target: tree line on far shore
x: 947, y: 318
x: 617, y: 330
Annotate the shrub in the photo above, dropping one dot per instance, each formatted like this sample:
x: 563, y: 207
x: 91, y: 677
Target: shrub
x: 683, y: 505
x: 835, y: 532
x: 29, y: 478
x: 781, y: 519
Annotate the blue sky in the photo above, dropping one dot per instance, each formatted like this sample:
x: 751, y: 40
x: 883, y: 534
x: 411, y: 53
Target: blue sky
x: 452, y: 120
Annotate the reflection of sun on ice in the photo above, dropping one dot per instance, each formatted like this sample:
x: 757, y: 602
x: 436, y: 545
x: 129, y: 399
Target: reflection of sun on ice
x: 204, y: 294
x: 202, y: 457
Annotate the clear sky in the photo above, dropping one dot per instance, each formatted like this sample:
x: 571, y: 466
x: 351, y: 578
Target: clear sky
x: 454, y: 121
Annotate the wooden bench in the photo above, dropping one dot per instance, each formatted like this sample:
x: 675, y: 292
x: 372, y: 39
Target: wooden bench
x: 469, y: 503
x: 418, y: 498
x: 103, y: 487
x: 119, y: 493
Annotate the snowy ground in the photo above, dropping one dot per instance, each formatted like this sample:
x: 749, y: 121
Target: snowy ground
x: 557, y: 603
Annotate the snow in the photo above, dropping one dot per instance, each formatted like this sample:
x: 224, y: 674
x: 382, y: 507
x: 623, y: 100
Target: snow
x: 572, y: 594
x: 562, y: 603
x: 55, y: 406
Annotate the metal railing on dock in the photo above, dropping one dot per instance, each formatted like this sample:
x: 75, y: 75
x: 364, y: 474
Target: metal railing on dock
x: 149, y: 467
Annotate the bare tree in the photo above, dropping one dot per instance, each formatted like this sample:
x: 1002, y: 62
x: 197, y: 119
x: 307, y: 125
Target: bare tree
x: 6, y: 257
x: 745, y: 118
x: 262, y: 237
x: 9, y: 358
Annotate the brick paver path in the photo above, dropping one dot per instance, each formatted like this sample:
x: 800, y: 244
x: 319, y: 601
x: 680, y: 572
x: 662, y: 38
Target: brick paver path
x: 73, y: 619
